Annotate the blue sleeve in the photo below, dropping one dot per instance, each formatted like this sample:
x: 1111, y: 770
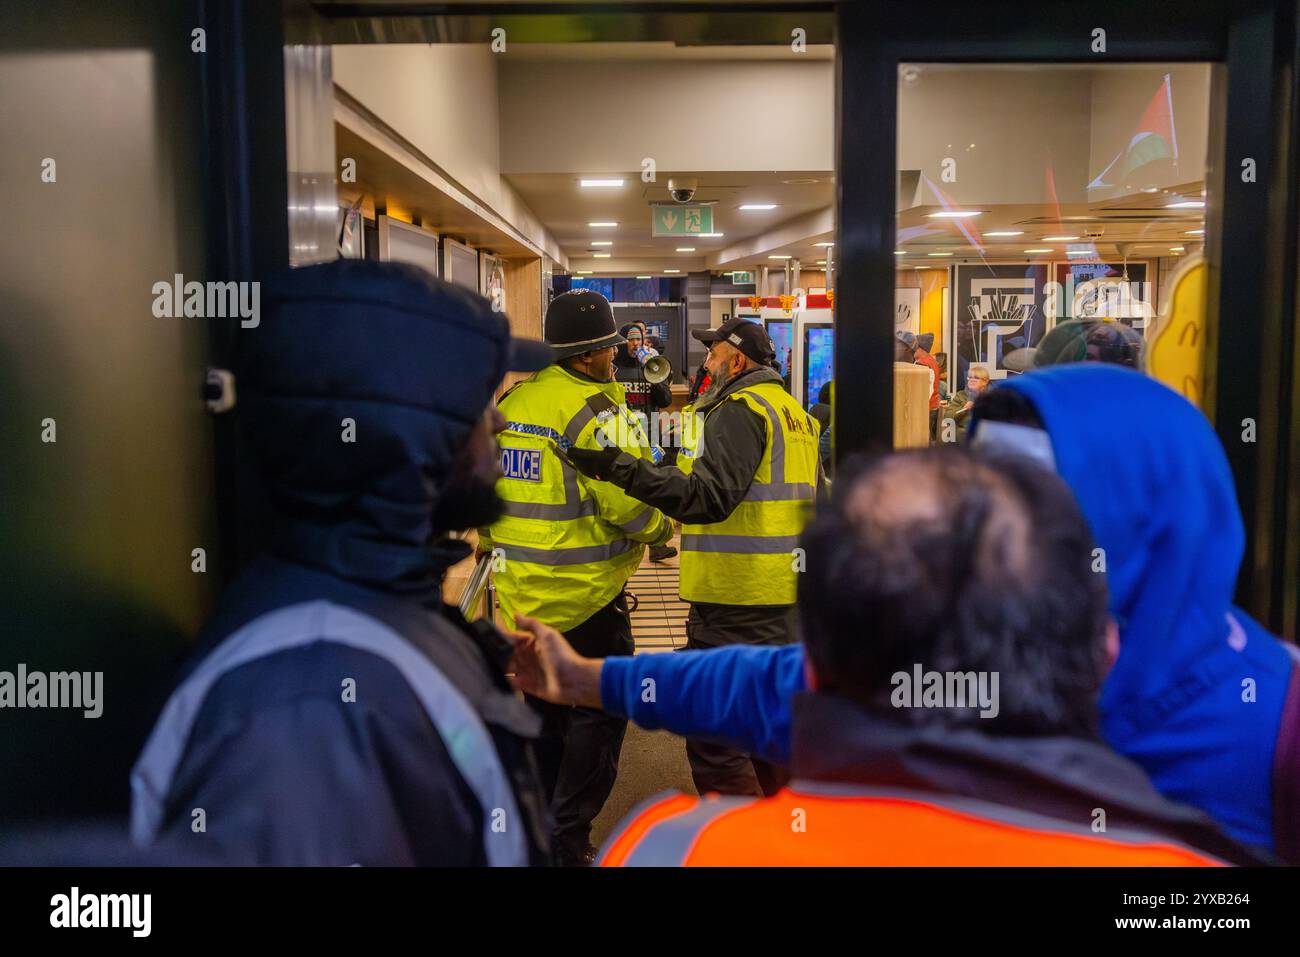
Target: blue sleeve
x: 739, y: 695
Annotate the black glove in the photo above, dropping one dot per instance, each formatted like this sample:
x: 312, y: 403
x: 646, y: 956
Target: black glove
x: 594, y: 463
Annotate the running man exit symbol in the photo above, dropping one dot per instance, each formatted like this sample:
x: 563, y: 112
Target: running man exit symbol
x: 680, y: 219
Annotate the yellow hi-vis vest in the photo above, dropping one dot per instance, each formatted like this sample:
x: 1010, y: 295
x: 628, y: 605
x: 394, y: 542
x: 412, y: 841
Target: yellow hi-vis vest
x: 748, y: 558
x: 567, y: 544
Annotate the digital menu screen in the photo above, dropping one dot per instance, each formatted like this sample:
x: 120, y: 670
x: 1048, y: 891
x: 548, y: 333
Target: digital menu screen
x: 818, y: 360
x: 781, y: 332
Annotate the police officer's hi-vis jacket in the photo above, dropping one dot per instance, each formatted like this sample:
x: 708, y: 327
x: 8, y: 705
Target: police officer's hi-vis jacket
x: 567, y: 543
x: 746, y: 480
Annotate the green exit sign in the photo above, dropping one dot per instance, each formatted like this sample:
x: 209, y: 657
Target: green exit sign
x: 742, y: 279
x: 680, y: 219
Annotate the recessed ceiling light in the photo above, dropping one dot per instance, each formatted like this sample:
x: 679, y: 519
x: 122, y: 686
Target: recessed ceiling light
x: 583, y: 272
x: 602, y: 242
x: 900, y: 252
x: 938, y: 254
x: 799, y: 182
x: 711, y: 235
x: 686, y: 249
x: 1187, y: 204
x: 954, y: 214
x: 778, y: 257
x: 821, y: 262
x: 922, y: 267
x: 600, y: 255
x: 1150, y: 189
x: 602, y: 225
x: 596, y: 183
x: 1194, y: 232
x: 1007, y: 232
x: 1078, y: 252
x: 1059, y: 239
x: 672, y: 270
x: 824, y: 245
x: 645, y: 277
x: 1177, y: 249
x: 1038, y: 250
x: 759, y: 206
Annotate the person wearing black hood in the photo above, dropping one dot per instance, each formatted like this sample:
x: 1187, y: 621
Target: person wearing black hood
x: 337, y: 711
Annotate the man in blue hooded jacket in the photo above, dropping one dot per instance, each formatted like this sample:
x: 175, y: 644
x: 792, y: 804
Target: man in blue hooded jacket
x: 1201, y: 696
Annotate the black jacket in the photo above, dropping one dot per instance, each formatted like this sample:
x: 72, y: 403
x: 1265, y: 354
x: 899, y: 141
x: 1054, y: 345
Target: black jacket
x: 732, y: 447
x: 364, y: 721
x: 642, y: 396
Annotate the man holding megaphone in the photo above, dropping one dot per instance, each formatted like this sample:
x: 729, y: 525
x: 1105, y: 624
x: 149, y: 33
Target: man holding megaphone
x: 645, y: 375
x: 644, y: 394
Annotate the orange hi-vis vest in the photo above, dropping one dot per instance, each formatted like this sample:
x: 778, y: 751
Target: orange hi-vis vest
x: 814, y: 824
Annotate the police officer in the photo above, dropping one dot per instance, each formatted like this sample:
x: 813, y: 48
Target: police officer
x: 567, y: 544
x: 746, y: 479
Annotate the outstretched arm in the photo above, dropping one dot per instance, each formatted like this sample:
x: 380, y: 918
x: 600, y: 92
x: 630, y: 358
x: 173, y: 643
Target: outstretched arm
x: 729, y: 455
x: 739, y: 695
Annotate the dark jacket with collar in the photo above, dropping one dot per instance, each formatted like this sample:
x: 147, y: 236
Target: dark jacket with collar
x: 734, y: 437
x: 1063, y: 779
x: 642, y: 396
x: 378, y: 729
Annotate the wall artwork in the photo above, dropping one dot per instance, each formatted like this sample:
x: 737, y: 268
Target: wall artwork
x: 996, y: 310
x: 1101, y: 291
x: 907, y: 310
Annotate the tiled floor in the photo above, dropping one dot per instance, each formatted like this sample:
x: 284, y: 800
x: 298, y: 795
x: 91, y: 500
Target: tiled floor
x: 652, y: 762
x: 659, y: 622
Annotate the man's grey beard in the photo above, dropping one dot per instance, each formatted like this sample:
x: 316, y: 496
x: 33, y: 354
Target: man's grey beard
x: 716, y: 385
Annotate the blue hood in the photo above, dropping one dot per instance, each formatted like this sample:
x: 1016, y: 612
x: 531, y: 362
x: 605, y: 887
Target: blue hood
x: 1153, y: 482
x: 1150, y: 475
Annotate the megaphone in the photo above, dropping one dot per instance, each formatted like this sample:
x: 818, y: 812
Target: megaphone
x: 657, y: 369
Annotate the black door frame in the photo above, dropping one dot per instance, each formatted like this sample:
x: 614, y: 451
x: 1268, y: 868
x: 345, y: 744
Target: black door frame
x: 1251, y: 243
x: 1250, y: 232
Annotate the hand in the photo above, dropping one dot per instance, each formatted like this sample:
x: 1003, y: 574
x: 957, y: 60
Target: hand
x: 546, y: 666
x: 593, y: 463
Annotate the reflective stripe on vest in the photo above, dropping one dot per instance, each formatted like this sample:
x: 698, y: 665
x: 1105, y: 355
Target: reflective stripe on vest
x: 573, y: 506
x: 820, y: 824
x: 468, y: 742
x: 583, y: 555
x: 741, y: 544
x: 748, y: 557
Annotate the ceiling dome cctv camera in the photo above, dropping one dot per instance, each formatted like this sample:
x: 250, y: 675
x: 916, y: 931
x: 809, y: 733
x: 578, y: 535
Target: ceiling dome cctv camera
x: 682, y: 190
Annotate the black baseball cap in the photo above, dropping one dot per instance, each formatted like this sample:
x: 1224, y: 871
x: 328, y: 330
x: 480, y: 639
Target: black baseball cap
x: 749, y: 337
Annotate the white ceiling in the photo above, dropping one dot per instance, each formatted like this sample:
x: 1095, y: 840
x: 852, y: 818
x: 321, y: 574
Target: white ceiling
x: 942, y: 99
x: 566, y: 208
